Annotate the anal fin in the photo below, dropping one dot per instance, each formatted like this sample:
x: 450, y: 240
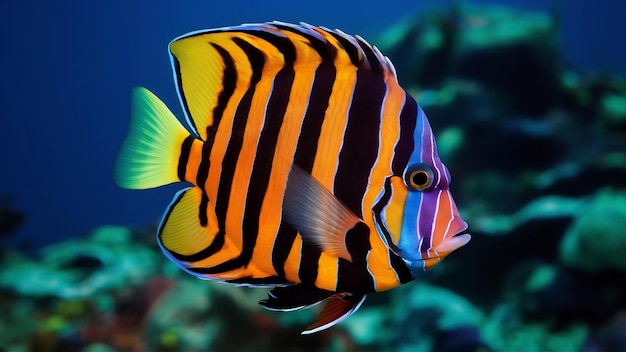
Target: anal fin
x: 337, y: 308
x: 188, y: 229
x: 294, y: 297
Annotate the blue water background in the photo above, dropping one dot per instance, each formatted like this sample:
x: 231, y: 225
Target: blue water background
x: 68, y: 67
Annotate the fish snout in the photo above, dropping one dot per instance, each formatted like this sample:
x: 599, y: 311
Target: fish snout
x: 448, y: 233
x: 453, y: 239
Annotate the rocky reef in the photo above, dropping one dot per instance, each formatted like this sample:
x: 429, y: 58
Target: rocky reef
x: 537, y: 150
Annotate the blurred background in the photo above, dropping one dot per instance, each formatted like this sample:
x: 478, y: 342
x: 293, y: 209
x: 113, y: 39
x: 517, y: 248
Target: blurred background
x: 528, y: 103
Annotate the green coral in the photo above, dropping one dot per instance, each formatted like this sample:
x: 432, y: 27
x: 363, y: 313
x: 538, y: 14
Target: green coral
x: 493, y: 25
x: 596, y: 240
x: 614, y: 108
x: 117, y: 263
x: 506, y: 331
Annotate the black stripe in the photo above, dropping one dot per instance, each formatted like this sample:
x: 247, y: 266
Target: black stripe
x: 262, y: 166
x: 283, y: 44
x: 360, y: 141
x: 201, y: 177
x: 181, y: 91
x: 282, y: 246
x: 323, y: 48
x: 406, y: 143
x: 229, y: 82
x: 261, y: 281
x: 353, y: 51
x: 229, y: 162
x: 321, y: 91
x: 378, y: 208
x: 309, y: 263
x: 398, y: 265
x: 353, y: 276
x: 183, y: 159
x: 375, y: 64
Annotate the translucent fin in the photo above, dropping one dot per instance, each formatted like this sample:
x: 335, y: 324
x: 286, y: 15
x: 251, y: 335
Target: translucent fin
x: 317, y: 214
x: 149, y: 155
x: 335, y: 311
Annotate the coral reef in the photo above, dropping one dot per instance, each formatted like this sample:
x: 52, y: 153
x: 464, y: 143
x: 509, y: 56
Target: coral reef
x: 596, y: 241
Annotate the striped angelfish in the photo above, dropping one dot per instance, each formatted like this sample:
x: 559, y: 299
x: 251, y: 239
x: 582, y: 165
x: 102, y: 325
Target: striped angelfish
x: 311, y: 170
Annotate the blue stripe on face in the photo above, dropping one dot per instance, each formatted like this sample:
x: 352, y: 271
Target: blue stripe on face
x: 410, y: 239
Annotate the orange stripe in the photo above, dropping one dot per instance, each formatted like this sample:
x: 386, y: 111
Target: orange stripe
x: 378, y: 260
x: 193, y: 164
x: 327, y: 272
x: 292, y: 264
x: 442, y: 218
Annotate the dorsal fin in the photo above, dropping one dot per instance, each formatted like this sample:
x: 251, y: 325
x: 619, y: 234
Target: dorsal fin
x: 212, y: 68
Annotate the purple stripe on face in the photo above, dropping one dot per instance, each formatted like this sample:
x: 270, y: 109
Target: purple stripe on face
x: 426, y: 219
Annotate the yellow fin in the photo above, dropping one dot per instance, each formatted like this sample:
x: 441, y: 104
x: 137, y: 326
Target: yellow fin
x: 187, y: 227
x: 149, y: 154
x: 209, y: 67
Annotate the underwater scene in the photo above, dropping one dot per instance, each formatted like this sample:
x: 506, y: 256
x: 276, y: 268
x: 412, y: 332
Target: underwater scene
x: 460, y: 164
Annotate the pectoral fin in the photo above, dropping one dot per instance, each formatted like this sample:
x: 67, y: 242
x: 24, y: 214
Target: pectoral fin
x: 317, y: 214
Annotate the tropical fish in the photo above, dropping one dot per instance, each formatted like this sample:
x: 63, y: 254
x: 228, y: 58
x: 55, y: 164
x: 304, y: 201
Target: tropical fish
x: 311, y: 170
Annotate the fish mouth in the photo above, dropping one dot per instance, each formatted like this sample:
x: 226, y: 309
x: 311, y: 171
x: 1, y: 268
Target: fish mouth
x: 458, y: 239
x: 451, y: 243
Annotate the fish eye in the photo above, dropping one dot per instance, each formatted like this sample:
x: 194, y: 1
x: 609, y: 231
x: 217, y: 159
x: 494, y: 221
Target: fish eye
x: 418, y: 177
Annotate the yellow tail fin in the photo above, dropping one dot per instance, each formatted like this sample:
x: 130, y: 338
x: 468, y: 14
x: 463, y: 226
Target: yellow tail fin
x: 150, y: 153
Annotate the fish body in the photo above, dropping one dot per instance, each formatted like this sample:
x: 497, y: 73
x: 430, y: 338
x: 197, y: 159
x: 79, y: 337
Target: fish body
x: 310, y: 169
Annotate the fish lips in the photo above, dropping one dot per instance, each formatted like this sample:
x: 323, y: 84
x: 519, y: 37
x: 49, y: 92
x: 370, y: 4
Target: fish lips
x: 454, y: 239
